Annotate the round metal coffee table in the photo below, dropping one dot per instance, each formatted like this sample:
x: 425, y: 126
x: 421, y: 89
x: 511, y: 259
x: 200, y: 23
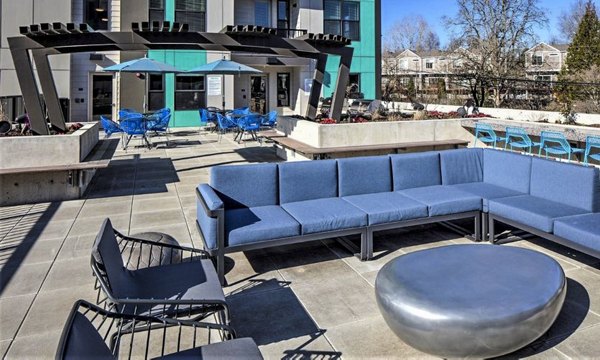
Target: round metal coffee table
x: 470, y: 300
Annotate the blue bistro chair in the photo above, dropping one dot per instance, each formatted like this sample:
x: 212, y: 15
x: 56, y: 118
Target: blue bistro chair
x: 486, y: 134
x: 225, y: 123
x: 159, y: 121
x: 110, y: 127
x: 125, y: 113
x: 555, y: 143
x: 591, y: 142
x: 269, y: 120
x: 517, y: 137
x: 248, y: 124
x: 135, y: 125
x: 241, y: 111
x: 208, y: 117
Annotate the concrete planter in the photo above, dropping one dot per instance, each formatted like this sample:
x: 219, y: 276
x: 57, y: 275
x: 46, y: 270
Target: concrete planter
x: 23, y: 153
x: 48, y: 150
x: 372, y: 133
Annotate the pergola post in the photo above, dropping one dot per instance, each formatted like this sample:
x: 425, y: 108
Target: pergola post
x: 55, y: 114
x: 343, y: 76
x: 317, y: 85
x: 29, y: 88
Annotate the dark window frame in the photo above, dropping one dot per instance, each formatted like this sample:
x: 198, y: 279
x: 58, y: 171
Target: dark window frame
x: 97, y: 22
x: 156, y: 11
x: 537, y: 60
x: 184, y: 12
x: 156, y: 91
x: 201, y: 91
x: 287, y: 90
x: 341, y: 21
x: 283, y: 22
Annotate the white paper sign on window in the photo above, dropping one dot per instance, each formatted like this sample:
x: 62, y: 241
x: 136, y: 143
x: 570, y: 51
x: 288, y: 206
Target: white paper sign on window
x: 214, y: 85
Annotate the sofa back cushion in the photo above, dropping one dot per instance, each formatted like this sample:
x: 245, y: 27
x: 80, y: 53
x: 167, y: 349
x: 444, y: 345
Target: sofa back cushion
x: 307, y: 180
x: 415, y: 170
x: 569, y: 184
x: 364, y: 175
x: 242, y: 186
x: 461, y: 166
x: 507, y: 169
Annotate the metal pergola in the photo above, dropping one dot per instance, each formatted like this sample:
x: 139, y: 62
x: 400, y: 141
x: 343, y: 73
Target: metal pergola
x: 43, y: 40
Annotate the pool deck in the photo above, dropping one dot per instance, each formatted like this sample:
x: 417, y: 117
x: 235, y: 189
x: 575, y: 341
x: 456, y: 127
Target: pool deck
x: 312, y: 300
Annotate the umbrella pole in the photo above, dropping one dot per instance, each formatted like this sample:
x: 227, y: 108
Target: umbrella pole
x: 223, y: 89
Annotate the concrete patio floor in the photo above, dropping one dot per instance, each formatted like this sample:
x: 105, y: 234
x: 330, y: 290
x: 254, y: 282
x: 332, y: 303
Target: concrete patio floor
x: 312, y: 300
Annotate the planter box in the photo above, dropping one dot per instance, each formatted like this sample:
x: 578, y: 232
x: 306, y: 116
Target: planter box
x: 20, y: 154
x: 372, y: 133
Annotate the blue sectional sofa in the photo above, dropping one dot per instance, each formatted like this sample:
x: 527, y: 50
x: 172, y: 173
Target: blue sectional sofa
x: 254, y: 206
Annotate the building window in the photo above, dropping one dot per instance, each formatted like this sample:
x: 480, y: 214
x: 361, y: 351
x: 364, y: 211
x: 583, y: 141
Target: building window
x: 342, y: 17
x: 96, y: 14
x: 283, y: 89
x: 283, y: 14
x: 537, y: 60
x: 189, y: 92
x: 156, y: 92
x: 262, y: 13
x: 157, y: 10
x: 191, y: 12
x: 428, y: 65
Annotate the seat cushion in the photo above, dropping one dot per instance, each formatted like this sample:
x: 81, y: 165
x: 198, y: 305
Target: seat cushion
x: 388, y: 207
x: 243, y: 348
x: 329, y: 214
x: 507, y: 169
x: 195, y: 280
x: 238, y: 186
x: 486, y: 191
x: 444, y: 200
x: 461, y: 166
x: 569, y: 184
x: 250, y: 225
x: 307, y: 180
x: 583, y: 230
x: 415, y: 170
x: 532, y: 210
x: 355, y: 175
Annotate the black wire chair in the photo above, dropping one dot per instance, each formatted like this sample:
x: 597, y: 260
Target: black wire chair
x: 143, y: 277
x: 92, y: 332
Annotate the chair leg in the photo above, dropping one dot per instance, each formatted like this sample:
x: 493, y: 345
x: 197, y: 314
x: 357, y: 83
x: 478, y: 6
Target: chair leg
x: 366, y: 245
x: 484, y: 225
x: 221, y: 267
x: 477, y: 233
x: 491, y: 229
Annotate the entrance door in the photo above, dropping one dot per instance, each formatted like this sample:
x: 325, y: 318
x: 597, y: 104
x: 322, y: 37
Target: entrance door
x: 258, y: 93
x: 102, y: 96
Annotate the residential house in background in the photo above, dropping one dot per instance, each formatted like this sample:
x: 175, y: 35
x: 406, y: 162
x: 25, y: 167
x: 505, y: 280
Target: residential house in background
x: 544, y: 62
x: 87, y: 92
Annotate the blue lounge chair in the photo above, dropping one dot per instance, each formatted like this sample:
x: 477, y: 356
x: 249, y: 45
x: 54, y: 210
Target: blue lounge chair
x: 517, y: 137
x: 135, y: 125
x: 555, y: 143
x: 486, y: 134
x: 591, y: 142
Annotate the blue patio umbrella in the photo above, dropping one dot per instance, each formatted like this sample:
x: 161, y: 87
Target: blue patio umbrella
x: 224, y: 67
x: 143, y: 65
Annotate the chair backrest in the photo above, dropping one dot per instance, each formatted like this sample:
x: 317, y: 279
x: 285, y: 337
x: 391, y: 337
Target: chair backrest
x: 106, y: 256
x: 555, y: 137
x: 245, y: 185
x: 249, y: 122
x: 591, y: 142
x: 461, y: 166
x: 415, y: 170
x: 507, y: 169
x: 518, y: 132
x: 126, y: 113
x: 110, y: 126
x: 307, y: 180
x: 204, y: 115
x: 225, y: 122
x: 241, y: 111
x: 486, y: 129
x: 356, y: 175
x: 80, y: 339
x: 134, y: 125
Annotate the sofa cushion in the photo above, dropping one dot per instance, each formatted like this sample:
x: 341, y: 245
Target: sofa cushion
x: 486, y: 191
x: 415, y: 170
x: 507, y: 169
x: 243, y: 226
x: 245, y: 185
x: 583, y: 230
x: 329, y: 214
x: 532, y: 211
x: 364, y: 175
x: 569, y: 184
x: 307, y: 180
x: 388, y: 207
x: 444, y: 200
x: 461, y: 166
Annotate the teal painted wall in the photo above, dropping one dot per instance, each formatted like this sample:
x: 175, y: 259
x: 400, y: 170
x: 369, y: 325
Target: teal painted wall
x: 363, y: 61
x: 184, y: 60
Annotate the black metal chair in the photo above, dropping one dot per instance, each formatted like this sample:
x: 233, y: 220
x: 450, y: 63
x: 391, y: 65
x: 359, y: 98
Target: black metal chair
x: 144, y: 277
x: 92, y: 332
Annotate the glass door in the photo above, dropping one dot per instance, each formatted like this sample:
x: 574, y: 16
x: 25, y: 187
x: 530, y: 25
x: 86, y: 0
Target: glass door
x: 102, y: 96
x: 258, y: 93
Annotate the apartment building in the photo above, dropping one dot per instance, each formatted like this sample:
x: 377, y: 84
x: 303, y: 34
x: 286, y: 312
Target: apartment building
x: 284, y: 85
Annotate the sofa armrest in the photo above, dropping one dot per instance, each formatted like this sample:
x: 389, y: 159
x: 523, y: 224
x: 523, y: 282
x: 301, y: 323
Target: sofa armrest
x: 209, y: 199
